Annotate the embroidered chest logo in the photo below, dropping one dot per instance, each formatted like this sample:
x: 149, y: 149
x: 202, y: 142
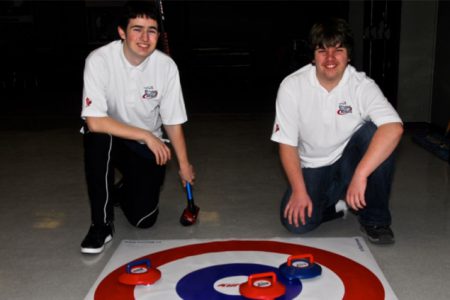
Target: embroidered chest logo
x: 344, y: 109
x: 149, y: 93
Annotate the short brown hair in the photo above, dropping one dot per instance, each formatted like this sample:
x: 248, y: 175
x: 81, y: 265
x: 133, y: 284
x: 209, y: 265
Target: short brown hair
x: 331, y: 32
x: 139, y: 8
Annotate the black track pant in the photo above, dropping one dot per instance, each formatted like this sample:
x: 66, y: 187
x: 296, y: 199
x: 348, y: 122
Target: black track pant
x: 142, y: 179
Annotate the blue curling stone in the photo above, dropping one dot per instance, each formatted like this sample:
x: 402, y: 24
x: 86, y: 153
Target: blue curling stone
x: 300, y: 269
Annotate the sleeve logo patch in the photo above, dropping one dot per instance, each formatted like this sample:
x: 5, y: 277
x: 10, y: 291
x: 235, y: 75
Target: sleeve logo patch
x: 277, y: 128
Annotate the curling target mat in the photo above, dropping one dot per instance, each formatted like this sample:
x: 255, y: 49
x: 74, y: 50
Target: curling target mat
x: 214, y: 269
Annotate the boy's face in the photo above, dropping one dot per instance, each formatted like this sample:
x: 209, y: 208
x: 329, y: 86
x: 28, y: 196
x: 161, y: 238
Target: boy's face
x: 139, y: 39
x: 330, y: 64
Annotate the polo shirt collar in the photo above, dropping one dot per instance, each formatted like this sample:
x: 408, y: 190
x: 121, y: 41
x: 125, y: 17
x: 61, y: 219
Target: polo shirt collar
x: 313, y: 78
x: 129, y: 66
x: 315, y: 82
x: 345, y: 77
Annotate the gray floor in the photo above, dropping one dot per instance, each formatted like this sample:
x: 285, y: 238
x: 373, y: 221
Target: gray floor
x: 44, y: 209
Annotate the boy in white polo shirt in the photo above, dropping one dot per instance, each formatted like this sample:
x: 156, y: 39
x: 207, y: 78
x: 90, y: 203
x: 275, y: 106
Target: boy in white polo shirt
x: 337, y: 134
x: 131, y: 89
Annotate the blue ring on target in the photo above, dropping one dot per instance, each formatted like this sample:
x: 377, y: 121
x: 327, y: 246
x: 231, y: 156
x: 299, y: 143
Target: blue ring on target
x: 199, y: 284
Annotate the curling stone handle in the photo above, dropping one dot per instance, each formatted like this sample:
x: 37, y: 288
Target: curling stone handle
x: 308, y: 256
x: 252, y: 278
x: 138, y: 263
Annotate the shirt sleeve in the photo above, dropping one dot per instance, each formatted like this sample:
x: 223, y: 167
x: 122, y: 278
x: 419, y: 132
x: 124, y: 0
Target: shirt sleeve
x: 375, y: 105
x: 94, y: 102
x: 172, y: 107
x: 285, y: 128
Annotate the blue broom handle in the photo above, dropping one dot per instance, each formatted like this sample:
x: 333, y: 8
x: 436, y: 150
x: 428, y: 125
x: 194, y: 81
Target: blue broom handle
x: 189, y: 191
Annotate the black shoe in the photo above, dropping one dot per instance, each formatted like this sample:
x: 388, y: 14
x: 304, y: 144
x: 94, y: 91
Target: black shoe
x: 381, y: 235
x: 97, y: 237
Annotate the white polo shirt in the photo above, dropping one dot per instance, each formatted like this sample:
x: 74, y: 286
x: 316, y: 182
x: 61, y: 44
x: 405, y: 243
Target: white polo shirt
x: 320, y: 123
x: 145, y: 96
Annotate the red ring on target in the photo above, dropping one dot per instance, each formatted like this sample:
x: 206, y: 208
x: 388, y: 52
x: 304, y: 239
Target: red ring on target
x: 359, y: 282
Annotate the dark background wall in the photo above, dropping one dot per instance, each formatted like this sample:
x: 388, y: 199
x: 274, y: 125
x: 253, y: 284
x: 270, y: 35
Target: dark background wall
x: 42, y: 49
x: 232, y: 55
x: 440, y: 106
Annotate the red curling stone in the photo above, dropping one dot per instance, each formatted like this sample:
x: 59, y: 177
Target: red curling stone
x: 140, y: 273
x: 262, y: 286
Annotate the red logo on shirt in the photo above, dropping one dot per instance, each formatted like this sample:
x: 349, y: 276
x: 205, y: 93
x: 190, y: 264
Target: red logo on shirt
x: 88, y: 101
x: 277, y: 128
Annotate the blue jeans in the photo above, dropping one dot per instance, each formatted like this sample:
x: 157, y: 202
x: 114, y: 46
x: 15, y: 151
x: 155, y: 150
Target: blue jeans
x: 326, y: 185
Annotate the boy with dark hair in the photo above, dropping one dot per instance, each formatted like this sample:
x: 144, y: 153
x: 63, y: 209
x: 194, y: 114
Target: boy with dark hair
x: 329, y: 33
x: 337, y: 134
x: 131, y: 90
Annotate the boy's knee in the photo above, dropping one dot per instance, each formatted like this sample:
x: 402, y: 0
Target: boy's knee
x: 145, y: 222
x: 301, y: 229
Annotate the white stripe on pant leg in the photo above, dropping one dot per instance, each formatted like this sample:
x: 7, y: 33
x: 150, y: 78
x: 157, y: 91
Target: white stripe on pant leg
x: 106, y: 179
x: 151, y: 213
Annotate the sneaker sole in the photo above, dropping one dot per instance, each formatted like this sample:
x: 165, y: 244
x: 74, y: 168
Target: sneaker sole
x: 96, y: 250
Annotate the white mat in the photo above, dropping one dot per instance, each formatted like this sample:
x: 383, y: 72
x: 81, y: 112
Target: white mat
x: 340, y: 259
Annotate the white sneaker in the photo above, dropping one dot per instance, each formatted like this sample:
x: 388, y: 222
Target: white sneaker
x: 341, y: 205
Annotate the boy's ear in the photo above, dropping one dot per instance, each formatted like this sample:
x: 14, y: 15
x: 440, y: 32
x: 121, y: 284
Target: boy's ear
x: 122, y: 33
